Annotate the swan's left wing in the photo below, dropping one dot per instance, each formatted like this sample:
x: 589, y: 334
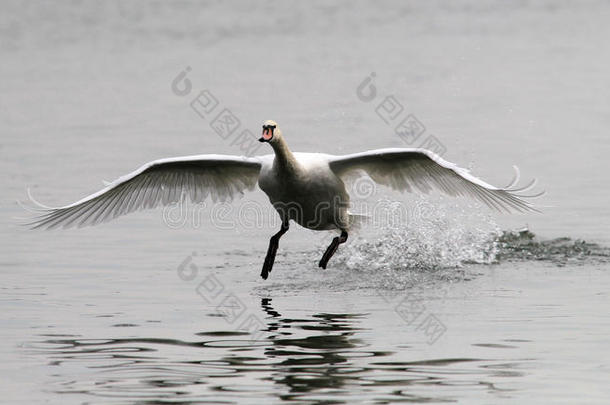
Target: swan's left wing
x: 405, y: 169
x: 160, y: 182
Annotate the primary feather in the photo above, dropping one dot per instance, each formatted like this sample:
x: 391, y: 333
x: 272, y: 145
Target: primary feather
x: 406, y: 169
x: 161, y: 182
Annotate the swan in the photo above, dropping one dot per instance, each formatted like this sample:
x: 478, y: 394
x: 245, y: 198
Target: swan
x: 306, y: 188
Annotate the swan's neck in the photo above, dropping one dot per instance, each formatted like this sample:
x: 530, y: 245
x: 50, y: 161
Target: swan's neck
x: 283, y: 155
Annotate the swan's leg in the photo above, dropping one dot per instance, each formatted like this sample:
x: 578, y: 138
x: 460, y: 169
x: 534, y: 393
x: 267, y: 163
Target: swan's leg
x: 330, y: 251
x: 274, y: 242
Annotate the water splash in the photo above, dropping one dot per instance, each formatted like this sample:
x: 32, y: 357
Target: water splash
x: 435, y: 243
x: 431, y: 247
x: 434, y: 237
x: 449, y: 236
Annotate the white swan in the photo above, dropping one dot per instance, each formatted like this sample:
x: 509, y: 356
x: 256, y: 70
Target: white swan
x: 307, y: 188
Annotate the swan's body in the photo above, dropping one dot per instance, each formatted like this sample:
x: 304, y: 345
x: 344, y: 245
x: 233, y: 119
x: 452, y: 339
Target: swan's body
x: 307, y: 188
x: 307, y: 192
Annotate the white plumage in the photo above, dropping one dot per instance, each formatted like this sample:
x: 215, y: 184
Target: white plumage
x: 307, y: 181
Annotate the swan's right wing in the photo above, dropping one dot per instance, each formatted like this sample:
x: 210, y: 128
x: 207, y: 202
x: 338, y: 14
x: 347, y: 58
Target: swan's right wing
x: 160, y: 182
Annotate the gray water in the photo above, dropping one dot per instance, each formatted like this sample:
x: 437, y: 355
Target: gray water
x: 453, y: 303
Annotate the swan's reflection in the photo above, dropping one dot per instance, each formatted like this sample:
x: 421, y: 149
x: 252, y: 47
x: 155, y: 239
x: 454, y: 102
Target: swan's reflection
x: 311, y: 361
x: 324, y: 358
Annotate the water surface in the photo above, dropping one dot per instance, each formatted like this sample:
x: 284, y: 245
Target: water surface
x: 457, y: 305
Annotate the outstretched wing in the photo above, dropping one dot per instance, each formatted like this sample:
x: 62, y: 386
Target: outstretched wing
x: 413, y: 168
x: 160, y: 182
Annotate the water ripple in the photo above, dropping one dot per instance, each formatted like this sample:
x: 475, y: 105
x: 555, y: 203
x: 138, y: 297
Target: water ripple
x: 322, y: 358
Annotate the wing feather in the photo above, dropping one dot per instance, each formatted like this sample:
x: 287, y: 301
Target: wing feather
x: 160, y: 182
x: 410, y: 169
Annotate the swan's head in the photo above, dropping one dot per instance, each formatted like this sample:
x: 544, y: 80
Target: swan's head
x: 271, y: 132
